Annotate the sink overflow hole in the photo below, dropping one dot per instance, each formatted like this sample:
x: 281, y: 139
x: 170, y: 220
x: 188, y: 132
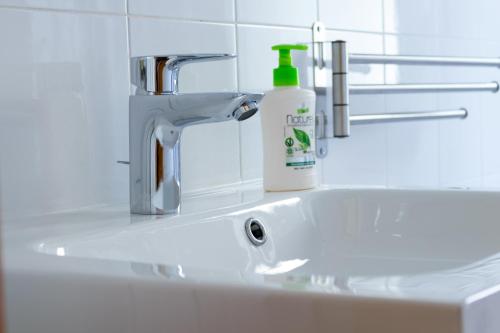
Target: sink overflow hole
x: 255, y: 231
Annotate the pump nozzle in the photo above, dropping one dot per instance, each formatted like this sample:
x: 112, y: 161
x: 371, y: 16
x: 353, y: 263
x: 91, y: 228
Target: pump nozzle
x: 286, y: 74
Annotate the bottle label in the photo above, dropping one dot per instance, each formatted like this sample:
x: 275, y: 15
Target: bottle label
x: 299, y: 139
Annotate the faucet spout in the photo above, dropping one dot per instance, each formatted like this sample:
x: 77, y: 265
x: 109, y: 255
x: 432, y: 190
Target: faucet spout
x: 156, y: 123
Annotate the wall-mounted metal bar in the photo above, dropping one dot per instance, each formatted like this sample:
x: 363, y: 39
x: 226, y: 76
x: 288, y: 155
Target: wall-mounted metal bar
x: 356, y: 58
x: 422, y: 87
x: 331, y: 84
x: 407, y: 116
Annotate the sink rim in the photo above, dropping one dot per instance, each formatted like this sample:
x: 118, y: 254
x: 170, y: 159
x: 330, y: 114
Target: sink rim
x: 29, y: 231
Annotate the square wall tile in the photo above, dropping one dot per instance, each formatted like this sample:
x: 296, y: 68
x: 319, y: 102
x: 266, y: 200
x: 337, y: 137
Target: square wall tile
x: 277, y: 12
x: 105, y: 6
x: 488, y: 21
x: 61, y: 135
x: 357, y: 160
x: 213, y: 10
x: 442, y: 18
x: 358, y: 15
x: 210, y: 153
x: 359, y: 42
x: 460, y: 154
x: 409, y: 45
x: 412, y: 147
x: 256, y: 61
x: 361, y: 158
x: 411, y: 17
x: 490, y: 139
x: 490, y: 122
x: 154, y: 36
x: 412, y: 162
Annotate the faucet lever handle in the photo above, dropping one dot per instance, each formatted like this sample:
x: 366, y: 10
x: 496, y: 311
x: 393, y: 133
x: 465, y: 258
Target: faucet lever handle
x: 154, y: 75
x: 182, y: 59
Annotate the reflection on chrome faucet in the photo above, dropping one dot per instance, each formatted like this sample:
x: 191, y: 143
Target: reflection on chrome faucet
x: 158, y: 113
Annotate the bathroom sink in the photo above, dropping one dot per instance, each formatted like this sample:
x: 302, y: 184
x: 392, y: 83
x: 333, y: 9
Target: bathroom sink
x: 343, y: 260
x: 342, y: 233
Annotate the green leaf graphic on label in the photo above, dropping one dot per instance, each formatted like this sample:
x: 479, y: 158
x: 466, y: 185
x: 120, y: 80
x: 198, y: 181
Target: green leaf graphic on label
x: 303, y: 138
x: 302, y: 110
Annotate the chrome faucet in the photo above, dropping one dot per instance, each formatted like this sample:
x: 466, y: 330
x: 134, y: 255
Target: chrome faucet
x: 157, y: 115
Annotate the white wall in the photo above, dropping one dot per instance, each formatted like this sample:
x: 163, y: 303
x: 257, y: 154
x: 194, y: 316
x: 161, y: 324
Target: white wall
x: 64, y: 87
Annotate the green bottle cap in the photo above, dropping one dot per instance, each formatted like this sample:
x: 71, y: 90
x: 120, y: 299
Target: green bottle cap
x: 285, y: 74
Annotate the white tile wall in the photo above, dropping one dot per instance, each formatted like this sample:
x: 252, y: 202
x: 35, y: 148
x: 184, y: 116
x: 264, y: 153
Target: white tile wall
x: 65, y: 84
x: 361, y: 158
x: 277, y: 12
x: 63, y: 110
x: 103, y: 6
x: 213, y: 10
x: 460, y: 155
x: 445, y: 18
x: 357, y: 15
x: 413, y: 148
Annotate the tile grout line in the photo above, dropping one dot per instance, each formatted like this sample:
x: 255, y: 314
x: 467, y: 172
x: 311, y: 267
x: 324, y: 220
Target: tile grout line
x: 437, y: 103
x: 317, y: 10
x: 178, y: 19
x: 128, y: 32
x: 303, y: 27
x: 193, y: 20
x: 482, y: 174
x: 181, y: 19
x: 240, y: 145
x: 129, y: 49
x: 273, y: 25
x: 322, y: 178
x: 424, y: 35
x: 59, y: 10
x: 383, y: 18
x: 386, y: 128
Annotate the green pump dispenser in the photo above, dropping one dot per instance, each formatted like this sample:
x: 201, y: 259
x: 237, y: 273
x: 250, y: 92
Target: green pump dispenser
x: 286, y: 74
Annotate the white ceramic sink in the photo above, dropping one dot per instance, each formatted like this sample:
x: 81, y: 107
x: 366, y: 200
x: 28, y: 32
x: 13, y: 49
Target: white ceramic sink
x: 335, y: 260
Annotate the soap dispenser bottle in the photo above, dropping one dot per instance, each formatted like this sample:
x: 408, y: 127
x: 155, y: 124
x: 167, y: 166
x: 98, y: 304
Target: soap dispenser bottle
x: 288, y: 123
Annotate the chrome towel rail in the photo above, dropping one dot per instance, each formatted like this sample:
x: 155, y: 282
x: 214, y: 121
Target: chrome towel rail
x: 422, y: 87
x: 359, y: 58
x: 331, y: 61
x: 406, y: 116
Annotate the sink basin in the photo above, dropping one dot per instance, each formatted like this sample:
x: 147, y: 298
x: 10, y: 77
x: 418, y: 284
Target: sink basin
x: 369, y: 234
x: 343, y: 260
